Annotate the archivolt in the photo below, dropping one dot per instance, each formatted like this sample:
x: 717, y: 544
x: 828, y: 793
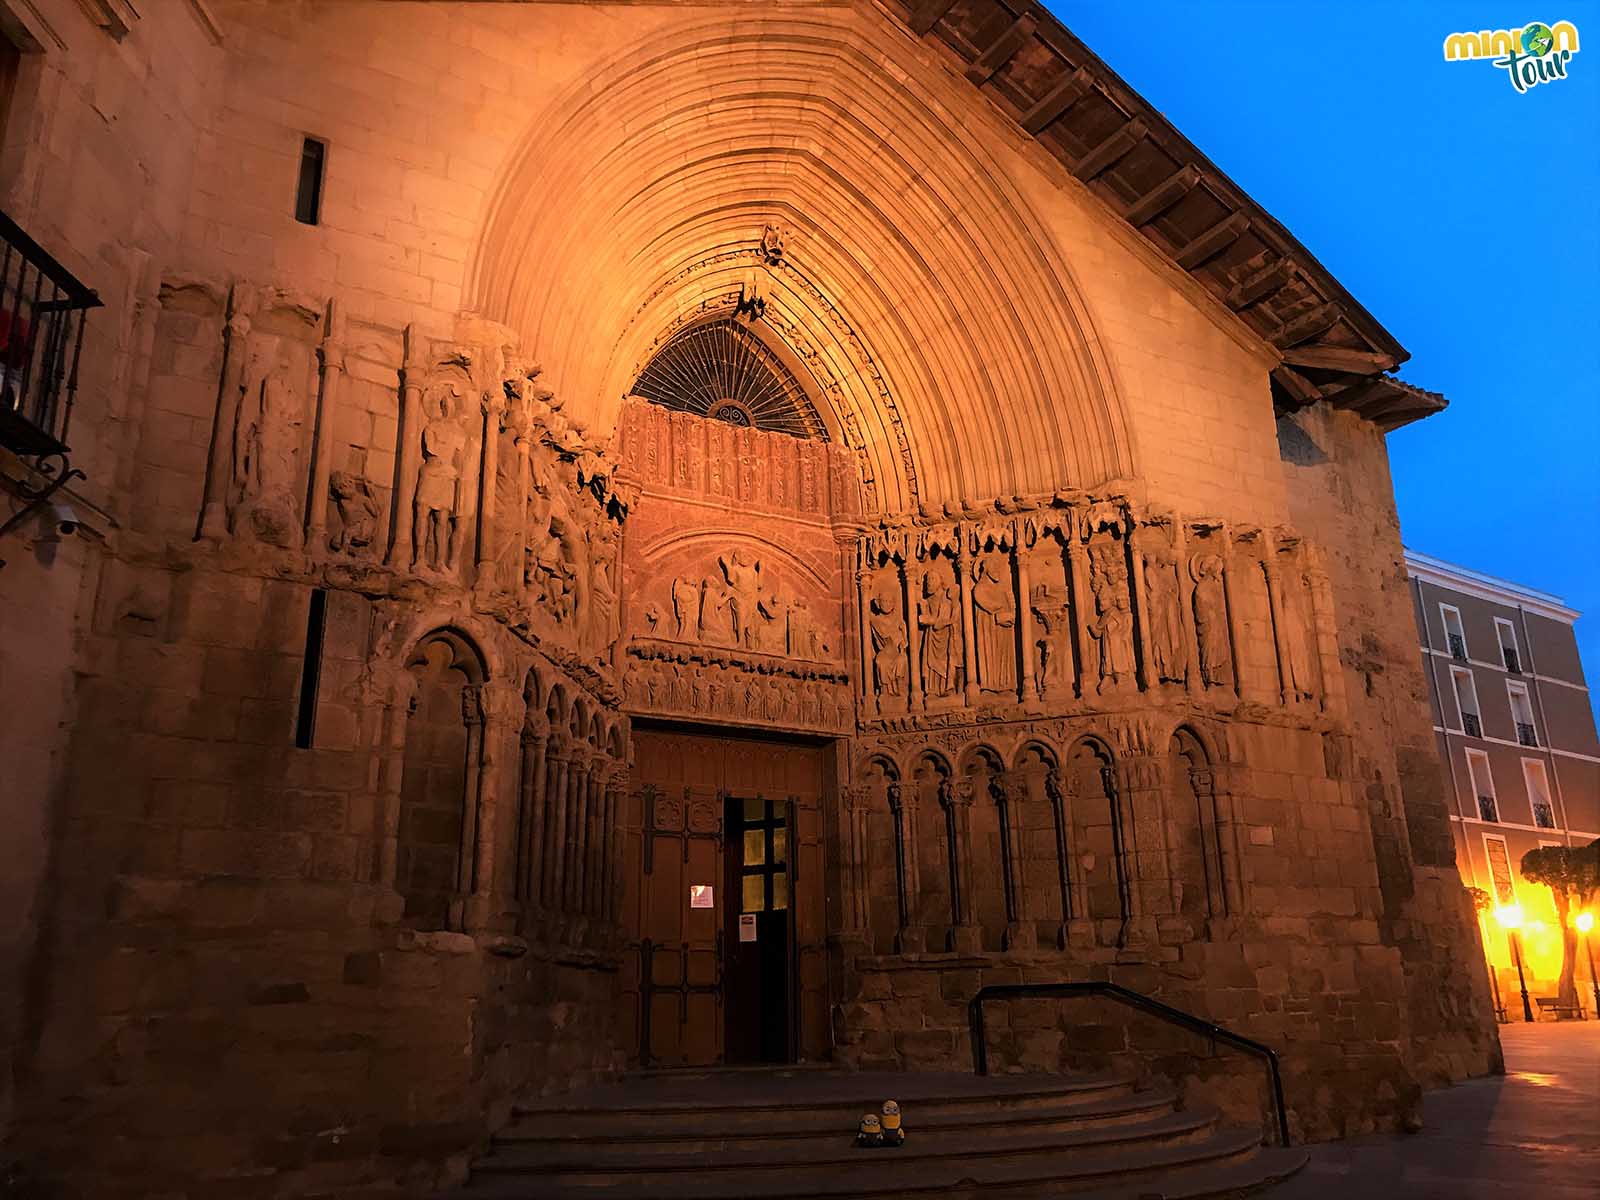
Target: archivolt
x: 915, y: 282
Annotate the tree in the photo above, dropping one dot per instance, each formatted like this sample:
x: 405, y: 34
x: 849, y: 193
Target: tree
x: 1572, y: 873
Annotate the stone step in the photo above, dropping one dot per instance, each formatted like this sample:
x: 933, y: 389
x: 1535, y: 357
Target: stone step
x: 587, y: 1162
x: 932, y: 1093
x: 1044, y: 1113
x: 1229, y: 1163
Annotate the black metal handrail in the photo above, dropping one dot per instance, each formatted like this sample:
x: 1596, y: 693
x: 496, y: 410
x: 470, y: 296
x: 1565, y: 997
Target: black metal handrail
x: 1133, y: 999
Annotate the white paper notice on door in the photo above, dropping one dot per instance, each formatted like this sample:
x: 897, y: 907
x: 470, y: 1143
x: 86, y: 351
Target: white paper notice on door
x: 747, y: 927
x: 701, y: 896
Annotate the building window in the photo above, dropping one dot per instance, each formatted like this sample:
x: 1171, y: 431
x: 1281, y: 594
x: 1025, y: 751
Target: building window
x: 1483, y: 785
x: 1494, y: 847
x: 1533, y: 774
x: 1455, y: 635
x: 308, y: 199
x: 1466, y: 689
x: 1506, y: 632
x: 1522, y: 714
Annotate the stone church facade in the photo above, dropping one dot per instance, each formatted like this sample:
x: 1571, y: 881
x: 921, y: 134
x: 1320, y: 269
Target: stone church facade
x: 728, y: 531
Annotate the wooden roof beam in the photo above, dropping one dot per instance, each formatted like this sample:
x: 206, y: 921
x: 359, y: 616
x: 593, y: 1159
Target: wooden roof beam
x: 1260, y: 283
x: 1057, y: 100
x: 1308, y: 326
x: 1111, y: 151
x: 1338, y: 358
x: 1213, y: 241
x: 1004, y: 46
x: 925, y: 14
x: 1162, y: 197
x: 1297, y: 385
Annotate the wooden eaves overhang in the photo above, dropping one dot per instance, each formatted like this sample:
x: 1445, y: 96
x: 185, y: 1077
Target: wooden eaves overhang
x: 1025, y: 61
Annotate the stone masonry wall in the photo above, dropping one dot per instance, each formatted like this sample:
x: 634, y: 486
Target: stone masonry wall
x: 1340, y: 489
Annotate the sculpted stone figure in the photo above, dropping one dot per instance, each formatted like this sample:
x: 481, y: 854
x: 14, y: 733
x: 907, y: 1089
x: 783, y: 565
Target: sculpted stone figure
x: 888, y: 647
x: 266, y: 454
x: 1211, y: 619
x: 358, y: 511
x: 744, y: 591
x: 1053, y: 608
x: 602, y: 627
x: 1299, y: 681
x: 686, y: 610
x: 994, y: 616
x: 1112, y: 627
x: 716, y: 621
x: 438, y: 496
x: 936, y: 619
x: 1166, y: 622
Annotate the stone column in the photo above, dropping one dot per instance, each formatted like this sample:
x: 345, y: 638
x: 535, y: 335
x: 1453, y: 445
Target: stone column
x: 494, y: 405
x: 1021, y: 932
x: 1193, y: 683
x: 535, y: 733
x: 1124, y: 847
x: 572, y: 830
x: 1230, y: 844
x: 466, y: 860
x: 219, y: 477
x: 1231, y: 603
x: 1026, y: 685
x: 611, y: 833
x: 500, y: 705
x: 1275, y: 608
x: 908, y: 591
x: 330, y: 356
x: 855, y: 802
x: 869, y: 693
x: 1082, y: 612
x: 409, y: 450
x: 969, y: 651
x: 1067, y: 865
x: 595, y: 854
x: 555, y: 823
x: 1139, y: 611
x: 965, y: 937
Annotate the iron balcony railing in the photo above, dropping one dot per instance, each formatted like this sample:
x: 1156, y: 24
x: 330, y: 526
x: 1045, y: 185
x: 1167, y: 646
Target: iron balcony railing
x: 1513, y: 663
x: 1458, y: 647
x: 1487, y: 811
x: 1526, y: 734
x: 1543, y: 815
x: 1471, y: 725
x: 1133, y: 999
x: 43, y: 309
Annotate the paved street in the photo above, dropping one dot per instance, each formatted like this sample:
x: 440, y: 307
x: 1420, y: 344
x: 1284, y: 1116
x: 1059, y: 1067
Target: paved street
x: 1534, y: 1133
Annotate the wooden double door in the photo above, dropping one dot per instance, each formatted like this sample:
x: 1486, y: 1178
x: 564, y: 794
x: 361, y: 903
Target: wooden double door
x: 726, y: 962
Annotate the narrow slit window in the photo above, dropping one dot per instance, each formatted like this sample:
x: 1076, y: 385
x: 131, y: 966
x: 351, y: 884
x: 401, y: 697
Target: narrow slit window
x: 308, y: 199
x: 305, y: 725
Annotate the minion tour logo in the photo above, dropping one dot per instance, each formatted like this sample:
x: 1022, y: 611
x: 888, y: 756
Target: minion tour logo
x: 1535, y: 54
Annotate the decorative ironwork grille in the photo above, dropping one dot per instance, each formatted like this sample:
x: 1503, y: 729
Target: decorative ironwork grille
x: 1458, y: 647
x: 1487, y: 810
x: 1543, y: 815
x: 1471, y: 725
x: 723, y: 371
x: 1526, y: 734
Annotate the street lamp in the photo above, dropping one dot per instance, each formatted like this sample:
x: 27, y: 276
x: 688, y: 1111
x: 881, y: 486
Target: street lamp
x: 1510, y: 918
x: 1585, y: 923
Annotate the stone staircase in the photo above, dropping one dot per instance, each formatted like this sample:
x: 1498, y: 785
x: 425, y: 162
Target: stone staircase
x: 743, y: 1135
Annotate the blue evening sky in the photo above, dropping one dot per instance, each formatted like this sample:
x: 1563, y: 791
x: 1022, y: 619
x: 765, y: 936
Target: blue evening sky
x: 1465, y: 216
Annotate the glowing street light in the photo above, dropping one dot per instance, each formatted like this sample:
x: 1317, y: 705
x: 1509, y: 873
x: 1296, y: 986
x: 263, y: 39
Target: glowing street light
x: 1584, y: 922
x: 1510, y: 918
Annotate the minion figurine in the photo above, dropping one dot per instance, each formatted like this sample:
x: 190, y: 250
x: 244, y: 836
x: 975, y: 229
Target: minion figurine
x: 870, y: 1135
x: 894, y: 1135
